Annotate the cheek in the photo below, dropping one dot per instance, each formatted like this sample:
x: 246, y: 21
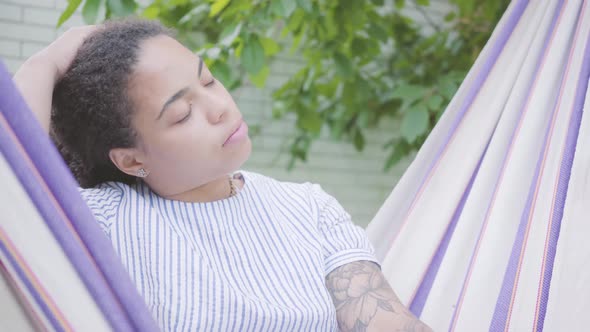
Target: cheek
x: 187, y: 144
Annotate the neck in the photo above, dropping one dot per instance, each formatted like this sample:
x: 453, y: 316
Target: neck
x: 215, y: 190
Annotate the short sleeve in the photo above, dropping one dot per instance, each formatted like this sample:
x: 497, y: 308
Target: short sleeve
x: 343, y: 242
x: 103, y: 201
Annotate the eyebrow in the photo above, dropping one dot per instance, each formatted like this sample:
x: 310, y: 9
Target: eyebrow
x: 180, y: 93
x: 200, y: 67
x: 172, y: 99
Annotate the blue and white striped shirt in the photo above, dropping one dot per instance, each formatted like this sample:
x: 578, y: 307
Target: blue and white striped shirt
x: 256, y: 261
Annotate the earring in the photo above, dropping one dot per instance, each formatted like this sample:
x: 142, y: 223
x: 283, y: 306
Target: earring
x: 142, y: 173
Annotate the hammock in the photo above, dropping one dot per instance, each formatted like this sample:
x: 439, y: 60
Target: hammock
x: 58, y: 272
x: 487, y: 228
x: 484, y: 231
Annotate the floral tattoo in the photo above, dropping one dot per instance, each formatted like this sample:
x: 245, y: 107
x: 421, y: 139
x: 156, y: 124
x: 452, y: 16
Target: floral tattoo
x: 360, y: 293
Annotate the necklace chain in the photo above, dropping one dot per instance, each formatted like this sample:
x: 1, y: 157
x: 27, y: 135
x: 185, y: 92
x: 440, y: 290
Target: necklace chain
x: 233, y: 188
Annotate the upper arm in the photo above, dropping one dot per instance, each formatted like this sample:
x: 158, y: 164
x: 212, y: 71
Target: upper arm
x: 365, y: 301
x: 342, y: 241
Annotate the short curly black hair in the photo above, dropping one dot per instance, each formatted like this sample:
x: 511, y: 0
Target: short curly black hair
x: 91, y: 111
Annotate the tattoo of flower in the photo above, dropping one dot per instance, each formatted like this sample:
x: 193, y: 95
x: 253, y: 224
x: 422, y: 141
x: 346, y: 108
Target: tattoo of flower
x: 359, y: 290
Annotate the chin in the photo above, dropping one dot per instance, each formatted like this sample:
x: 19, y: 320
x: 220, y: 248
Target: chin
x: 241, y: 156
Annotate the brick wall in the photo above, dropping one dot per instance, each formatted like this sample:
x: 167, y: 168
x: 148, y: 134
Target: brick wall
x: 355, y: 179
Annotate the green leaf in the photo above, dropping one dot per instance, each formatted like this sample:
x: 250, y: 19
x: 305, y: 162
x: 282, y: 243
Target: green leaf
x: 408, y: 93
x: 296, y: 21
x: 343, y: 65
x: 202, y: 9
x: 234, y: 84
x: 306, y: 5
x: 423, y: 2
x: 296, y: 40
x: 69, y: 11
x: 278, y: 109
x: 363, y: 119
x: 221, y: 71
x: 311, y: 121
x: 448, y: 88
x: 310, y: 77
x: 450, y: 16
x: 289, y: 7
x: 90, y: 11
x: 152, y: 11
x: 260, y: 79
x: 217, y: 6
x: 414, y: 123
x: 299, y: 148
x: 466, y: 7
x: 230, y: 33
x: 358, y: 46
x: 121, y: 8
x: 435, y: 102
x: 237, y: 8
x: 252, y: 56
x: 283, y: 8
x: 239, y: 48
x: 359, y: 140
x: 337, y: 129
x: 400, y: 4
x: 400, y: 150
x: 376, y: 31
x: 328, y: 89
x: 211, y: 54
x: 270, y: 46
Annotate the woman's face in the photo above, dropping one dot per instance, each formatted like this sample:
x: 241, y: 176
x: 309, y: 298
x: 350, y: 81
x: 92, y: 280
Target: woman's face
x: 190, y: 129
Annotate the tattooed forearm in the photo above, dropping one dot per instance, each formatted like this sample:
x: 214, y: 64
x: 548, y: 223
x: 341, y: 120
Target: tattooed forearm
x: 364, y: 300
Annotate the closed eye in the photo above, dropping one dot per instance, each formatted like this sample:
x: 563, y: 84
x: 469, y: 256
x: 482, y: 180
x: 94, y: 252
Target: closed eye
x: 188, y: 115
x: 210, y: 83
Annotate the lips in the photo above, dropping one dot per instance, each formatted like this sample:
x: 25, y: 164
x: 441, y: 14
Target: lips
x: 239, y: 132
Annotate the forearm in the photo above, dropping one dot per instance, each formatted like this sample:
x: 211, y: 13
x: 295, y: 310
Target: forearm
x: 365, y: 301
x: 35, y: 80
x: 397, y: 316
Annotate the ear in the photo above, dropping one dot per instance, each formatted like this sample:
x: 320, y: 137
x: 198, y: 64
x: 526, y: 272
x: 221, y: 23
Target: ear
x: 128, y: 160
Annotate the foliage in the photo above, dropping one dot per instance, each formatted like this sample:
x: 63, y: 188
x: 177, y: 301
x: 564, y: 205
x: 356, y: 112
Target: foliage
x: 363, y: 60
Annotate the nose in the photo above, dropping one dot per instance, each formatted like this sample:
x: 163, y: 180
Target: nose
x: 217, y: 109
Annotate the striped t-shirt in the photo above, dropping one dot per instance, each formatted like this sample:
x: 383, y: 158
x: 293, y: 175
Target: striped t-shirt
x: 256, y: 261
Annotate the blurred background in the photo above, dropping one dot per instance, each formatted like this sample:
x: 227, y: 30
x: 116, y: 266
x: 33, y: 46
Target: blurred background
x: 336, y: 92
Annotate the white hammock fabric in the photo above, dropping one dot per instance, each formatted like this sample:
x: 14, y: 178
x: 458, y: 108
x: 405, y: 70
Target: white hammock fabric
x: 486, y: 229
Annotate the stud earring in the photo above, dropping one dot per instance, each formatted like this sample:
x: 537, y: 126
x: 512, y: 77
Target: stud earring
x: 142, y: 173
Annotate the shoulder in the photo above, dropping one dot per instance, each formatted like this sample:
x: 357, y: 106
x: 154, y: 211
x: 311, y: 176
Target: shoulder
x: 105, y: 199
x: 312, y: 195
x: 263, y: 183
x: 104, y: 192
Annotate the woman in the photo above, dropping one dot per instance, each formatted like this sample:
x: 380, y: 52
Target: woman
x: 151, y: 136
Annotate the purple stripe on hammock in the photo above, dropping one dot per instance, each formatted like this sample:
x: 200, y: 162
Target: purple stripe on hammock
x: 482, y: 231
x: 30, y: 288
x: 417, y: 304
x: 503, y: 303
x: 486, y: 68
x: 426, y: 285
x: 480, y: 79
x: 564, y: 178
x: 87, y: 271
x: 505, y: 296
x: 110, y: 287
